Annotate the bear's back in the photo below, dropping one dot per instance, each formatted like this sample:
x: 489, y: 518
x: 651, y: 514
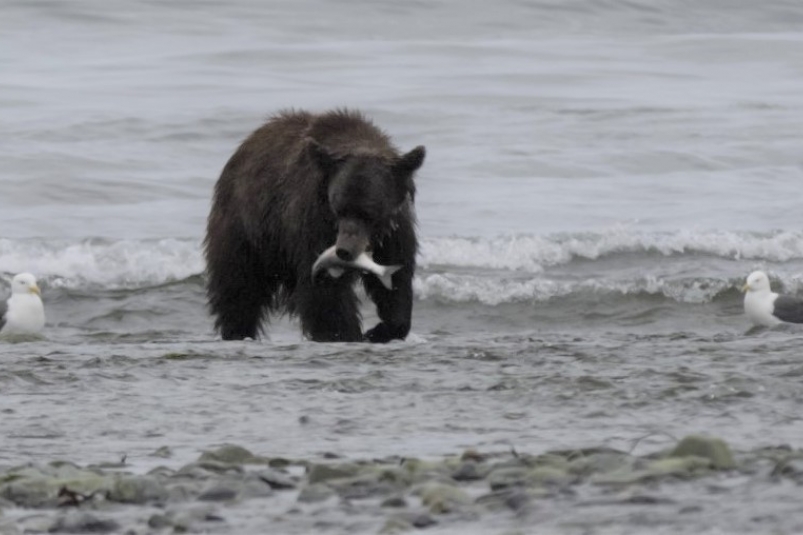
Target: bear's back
x: 344, y: 132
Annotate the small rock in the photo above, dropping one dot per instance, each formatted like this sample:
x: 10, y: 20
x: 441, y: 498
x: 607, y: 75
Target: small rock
x: 467, y: 471
x: 318, y: 473
x: 30, y: 492
x: 219, y: 467
x: 683, y: 467
x: 279, y: 462
x: 35, y: 523
x: 394, y: 501
x: 394, y: 525
x: 277, y: 479
x: 472, y: 455
x: 401, y: 522
x: 362, y: 487
x: 549, y: 476
x: 159, y: 521
x: 714, y: 449
x: 422, y: 471
x: 232, y: 454
x: 600, y: 463
x: 83, y: 522
x: 183, y: 520
x: 138, y: 490
x: 396, y: 475
x: 518, y: 500
x: 255, y: 487
x: 791, y: 468
x: 182, y: 492
x: 423, y: 520
x: 551, y: 460
x: 218, y: 493
x: 38, y: 486
x: 515, y: 499
x: 506, y: 477
x: 442, y: 498
x: 317, y: 492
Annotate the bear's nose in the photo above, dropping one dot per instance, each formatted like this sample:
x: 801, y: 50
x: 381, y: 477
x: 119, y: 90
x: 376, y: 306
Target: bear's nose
x: 343, y: 254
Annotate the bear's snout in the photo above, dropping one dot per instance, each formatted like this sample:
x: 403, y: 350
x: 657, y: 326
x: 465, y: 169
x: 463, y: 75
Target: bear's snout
x: 352, y: 239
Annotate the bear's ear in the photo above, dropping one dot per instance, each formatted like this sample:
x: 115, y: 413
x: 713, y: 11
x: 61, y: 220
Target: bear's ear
x: 411, y: 161
x: 404, y: 168
x: 321, y: 156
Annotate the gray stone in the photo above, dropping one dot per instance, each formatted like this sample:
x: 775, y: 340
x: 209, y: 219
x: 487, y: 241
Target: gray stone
x: 514, y: 498
x: 255, y: 487
x: 791, y: 468
x: 502, y: 478
x: 602, y: 462
x: 363, y: 486
x: 394, y: 501
x: 232, y: 454
x: 82, y: 522
x: 220, y: 492
x: 159, y: 521
x: 277, y: 479
x: 316, y: 492
x: 468, y: 471
x: 423, y: 520
x: 439, y: 498
x: 319, y: 473
x: 138, y: 490
x: 394, y: 525
x: 678, y: 468
x: 549, y: 476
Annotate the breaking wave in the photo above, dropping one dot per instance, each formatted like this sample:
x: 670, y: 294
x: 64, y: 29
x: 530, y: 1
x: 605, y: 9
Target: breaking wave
x: 532, y: 253
x: 105, y: 263
x: 448, y: 288
x: 453, y: 269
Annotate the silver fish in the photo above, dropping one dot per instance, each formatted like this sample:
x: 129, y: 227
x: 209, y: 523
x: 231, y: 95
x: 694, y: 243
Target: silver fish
x: 329, y: 261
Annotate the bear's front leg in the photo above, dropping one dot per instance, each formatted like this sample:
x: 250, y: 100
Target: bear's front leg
x: 329, y: 311
x: 394, y: 307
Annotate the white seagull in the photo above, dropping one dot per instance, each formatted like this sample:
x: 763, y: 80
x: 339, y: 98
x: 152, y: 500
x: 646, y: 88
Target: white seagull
x: 23, y: 312
x: 767, y: 308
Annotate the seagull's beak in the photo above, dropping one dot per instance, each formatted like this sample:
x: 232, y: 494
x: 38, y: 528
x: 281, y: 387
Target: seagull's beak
x: 34, y: 289
x: 746, y: 287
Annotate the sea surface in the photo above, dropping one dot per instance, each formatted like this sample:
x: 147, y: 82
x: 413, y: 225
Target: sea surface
x: 601, y: 176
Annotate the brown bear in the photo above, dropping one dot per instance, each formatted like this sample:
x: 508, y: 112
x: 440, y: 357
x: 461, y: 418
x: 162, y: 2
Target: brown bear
x: 295, y: 187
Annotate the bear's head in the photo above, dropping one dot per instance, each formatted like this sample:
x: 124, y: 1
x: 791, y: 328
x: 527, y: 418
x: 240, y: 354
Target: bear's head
x: 365, y: 193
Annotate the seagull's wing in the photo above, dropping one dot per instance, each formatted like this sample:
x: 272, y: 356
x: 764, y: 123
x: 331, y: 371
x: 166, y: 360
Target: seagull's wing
x: 788, y: 308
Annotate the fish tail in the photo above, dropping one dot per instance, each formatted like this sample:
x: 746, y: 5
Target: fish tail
x: 387, y: 276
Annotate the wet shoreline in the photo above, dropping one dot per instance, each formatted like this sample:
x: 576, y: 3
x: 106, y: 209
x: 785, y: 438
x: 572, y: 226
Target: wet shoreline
x: 590, y: 490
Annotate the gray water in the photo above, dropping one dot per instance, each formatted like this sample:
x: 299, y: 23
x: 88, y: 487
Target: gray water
x: 601, y: 176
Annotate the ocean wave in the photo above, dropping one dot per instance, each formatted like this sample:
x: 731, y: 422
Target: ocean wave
x: 449, y: 289
x: 106, y: 263
x: 534, y: 253
x: 490, y: 270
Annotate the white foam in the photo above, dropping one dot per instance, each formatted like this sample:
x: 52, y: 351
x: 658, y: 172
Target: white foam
x: 533, y: 253
x: 488, y: 291
x: 453, y: 288
x: 453, y: 268
x: 112, y: 264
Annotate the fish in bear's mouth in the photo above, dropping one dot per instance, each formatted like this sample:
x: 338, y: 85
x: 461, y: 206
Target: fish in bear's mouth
x: 335, y: 266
